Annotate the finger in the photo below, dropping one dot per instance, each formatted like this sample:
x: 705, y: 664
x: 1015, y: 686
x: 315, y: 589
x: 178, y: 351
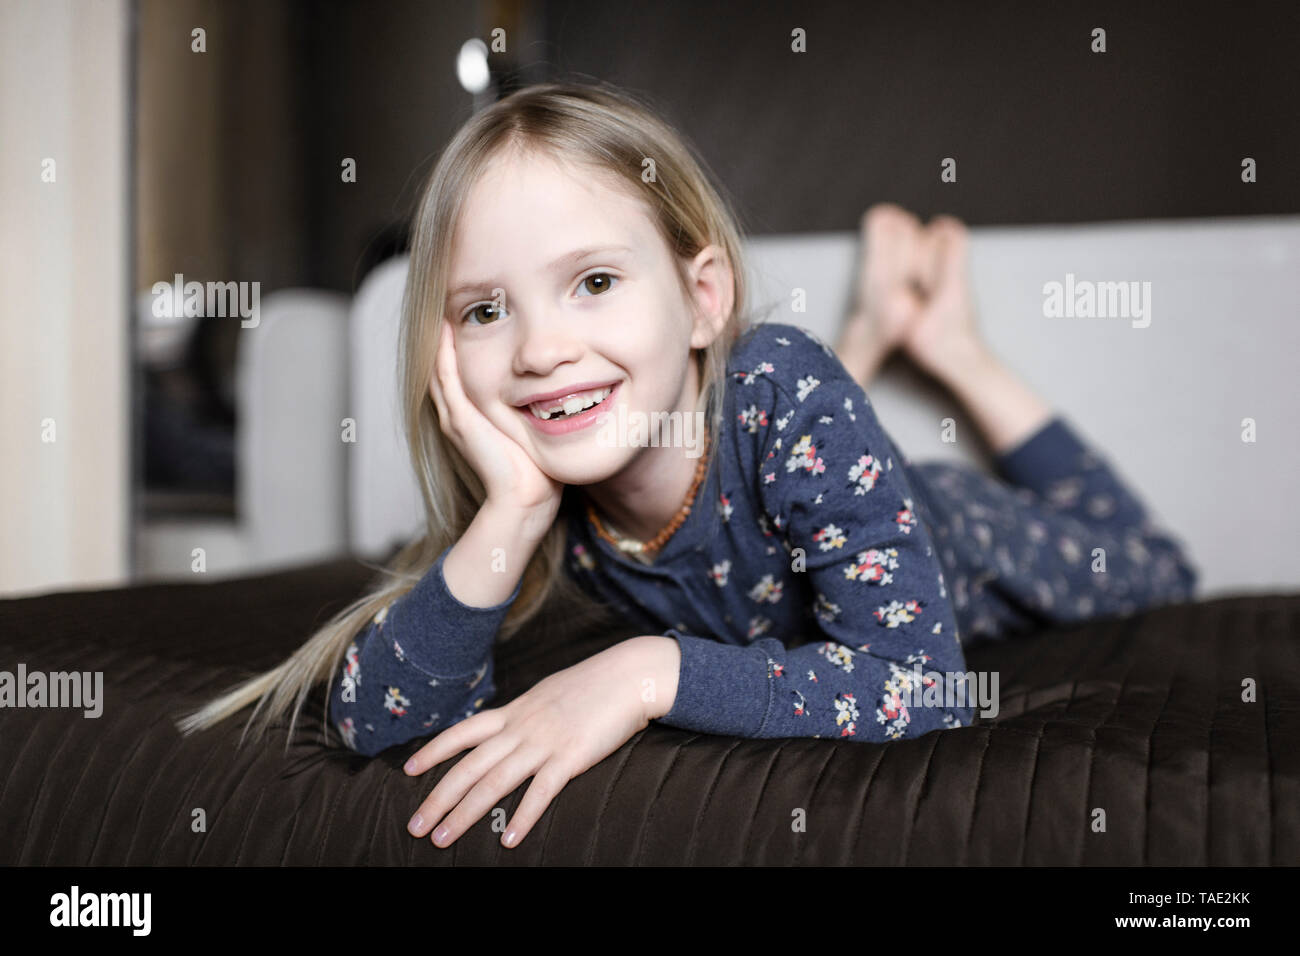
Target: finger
x: 435, y: 386
x: 546, y: 785
x: 440, y: 404
x: 487, y: 794
x: 451, y: 789
x: 469, y: 732
x: 447, y: 372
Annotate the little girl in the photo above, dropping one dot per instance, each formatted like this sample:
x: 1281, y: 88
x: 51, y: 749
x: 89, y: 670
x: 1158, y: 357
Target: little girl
x: 792, y: 573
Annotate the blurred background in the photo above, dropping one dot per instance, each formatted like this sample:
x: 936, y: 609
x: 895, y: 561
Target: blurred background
x: 145, y: 139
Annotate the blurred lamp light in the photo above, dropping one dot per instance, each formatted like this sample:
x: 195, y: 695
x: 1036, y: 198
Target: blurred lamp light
x: 472, y: 67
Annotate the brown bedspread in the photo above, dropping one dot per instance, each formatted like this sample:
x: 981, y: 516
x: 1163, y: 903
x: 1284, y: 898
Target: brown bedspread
x: 1142, y: 718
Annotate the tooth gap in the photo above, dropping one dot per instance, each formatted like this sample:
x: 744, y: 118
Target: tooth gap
x: 562, y: 411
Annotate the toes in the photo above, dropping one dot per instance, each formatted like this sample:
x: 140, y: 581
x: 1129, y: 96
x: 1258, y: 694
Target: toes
x: 888, y: 216
x: 947, y: 222
x: 881, y: 212
x: 951, y: 230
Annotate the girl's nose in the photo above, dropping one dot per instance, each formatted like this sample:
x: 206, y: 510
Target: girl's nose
x: 543, y: 342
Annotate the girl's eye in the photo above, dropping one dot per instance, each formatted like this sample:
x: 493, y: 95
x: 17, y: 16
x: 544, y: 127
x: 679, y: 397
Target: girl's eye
x: 600, y: 287
x: 474, y: 311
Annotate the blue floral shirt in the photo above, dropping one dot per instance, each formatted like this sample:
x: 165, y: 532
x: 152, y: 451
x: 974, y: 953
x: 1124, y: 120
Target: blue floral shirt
x: 803, y: 591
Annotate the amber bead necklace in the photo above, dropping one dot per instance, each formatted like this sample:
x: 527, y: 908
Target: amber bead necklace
x: 658, y: 541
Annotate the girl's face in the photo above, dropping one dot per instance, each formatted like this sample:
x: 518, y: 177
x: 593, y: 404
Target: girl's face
x: 614, y: 315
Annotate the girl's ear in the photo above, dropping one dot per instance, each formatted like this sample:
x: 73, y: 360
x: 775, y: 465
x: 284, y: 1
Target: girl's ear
x: 712, y: 285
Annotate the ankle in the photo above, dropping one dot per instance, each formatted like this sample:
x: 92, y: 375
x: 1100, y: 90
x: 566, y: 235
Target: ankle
x: 861, y: 349
x: 964, y: 364
x: 1005, y: 410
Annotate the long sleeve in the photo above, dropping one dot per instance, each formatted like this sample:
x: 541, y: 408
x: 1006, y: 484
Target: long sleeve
x: 421, y: 665
x: 828, y: 480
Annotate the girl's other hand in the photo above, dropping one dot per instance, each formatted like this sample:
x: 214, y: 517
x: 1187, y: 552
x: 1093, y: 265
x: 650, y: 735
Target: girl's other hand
x: 563, y: 726
x: 510, y: 476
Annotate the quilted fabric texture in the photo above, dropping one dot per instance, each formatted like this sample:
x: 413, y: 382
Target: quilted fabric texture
x: 1141, y: 718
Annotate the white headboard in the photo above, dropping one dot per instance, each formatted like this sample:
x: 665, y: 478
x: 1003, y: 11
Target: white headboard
x: 1163, y: 403
x: 383, y: 497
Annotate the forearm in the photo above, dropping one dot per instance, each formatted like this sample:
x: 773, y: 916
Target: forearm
x: 484, y: 566
x: 1004, y: 408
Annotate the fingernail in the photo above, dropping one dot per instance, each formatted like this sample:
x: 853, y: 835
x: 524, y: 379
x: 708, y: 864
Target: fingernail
x: 417, y: 821
x: 440, y: 834
x: 410, y: 766
x: 510, y: 837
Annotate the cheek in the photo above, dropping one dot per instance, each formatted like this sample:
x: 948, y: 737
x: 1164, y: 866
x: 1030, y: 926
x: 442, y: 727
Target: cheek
x: 478, y: 375
x: 486, y: 382
x: 643, y: 342
x: 658, y: 357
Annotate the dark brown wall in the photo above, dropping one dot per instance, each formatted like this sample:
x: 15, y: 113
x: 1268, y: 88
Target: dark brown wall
x: 1043, y: 129
x: 240, y: 148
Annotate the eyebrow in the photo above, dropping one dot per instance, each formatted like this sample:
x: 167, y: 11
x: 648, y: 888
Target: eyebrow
x: 566, y: 261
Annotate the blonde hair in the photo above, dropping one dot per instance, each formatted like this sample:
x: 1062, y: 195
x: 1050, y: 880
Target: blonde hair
x: 594, y: 125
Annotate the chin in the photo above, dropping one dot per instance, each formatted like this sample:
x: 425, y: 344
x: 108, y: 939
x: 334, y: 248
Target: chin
x: 595, y: 465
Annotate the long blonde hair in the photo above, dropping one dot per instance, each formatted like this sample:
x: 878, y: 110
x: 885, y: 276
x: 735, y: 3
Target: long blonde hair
x: 592, y: 124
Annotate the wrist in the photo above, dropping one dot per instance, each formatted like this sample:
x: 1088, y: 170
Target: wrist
x: 656, y: 664
x: 531, y: 523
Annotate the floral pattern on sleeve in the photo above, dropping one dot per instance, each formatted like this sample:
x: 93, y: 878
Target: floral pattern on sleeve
x: 381, y: 698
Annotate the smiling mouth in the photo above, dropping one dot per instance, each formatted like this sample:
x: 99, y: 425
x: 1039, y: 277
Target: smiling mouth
x: 551, y: 411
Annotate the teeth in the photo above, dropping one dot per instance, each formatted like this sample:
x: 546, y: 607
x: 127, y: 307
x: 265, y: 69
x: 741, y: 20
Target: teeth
x: 575, y: 404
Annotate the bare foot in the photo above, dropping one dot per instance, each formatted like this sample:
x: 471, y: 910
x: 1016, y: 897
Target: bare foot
x: 889, y: 293
x: 943, y: 336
